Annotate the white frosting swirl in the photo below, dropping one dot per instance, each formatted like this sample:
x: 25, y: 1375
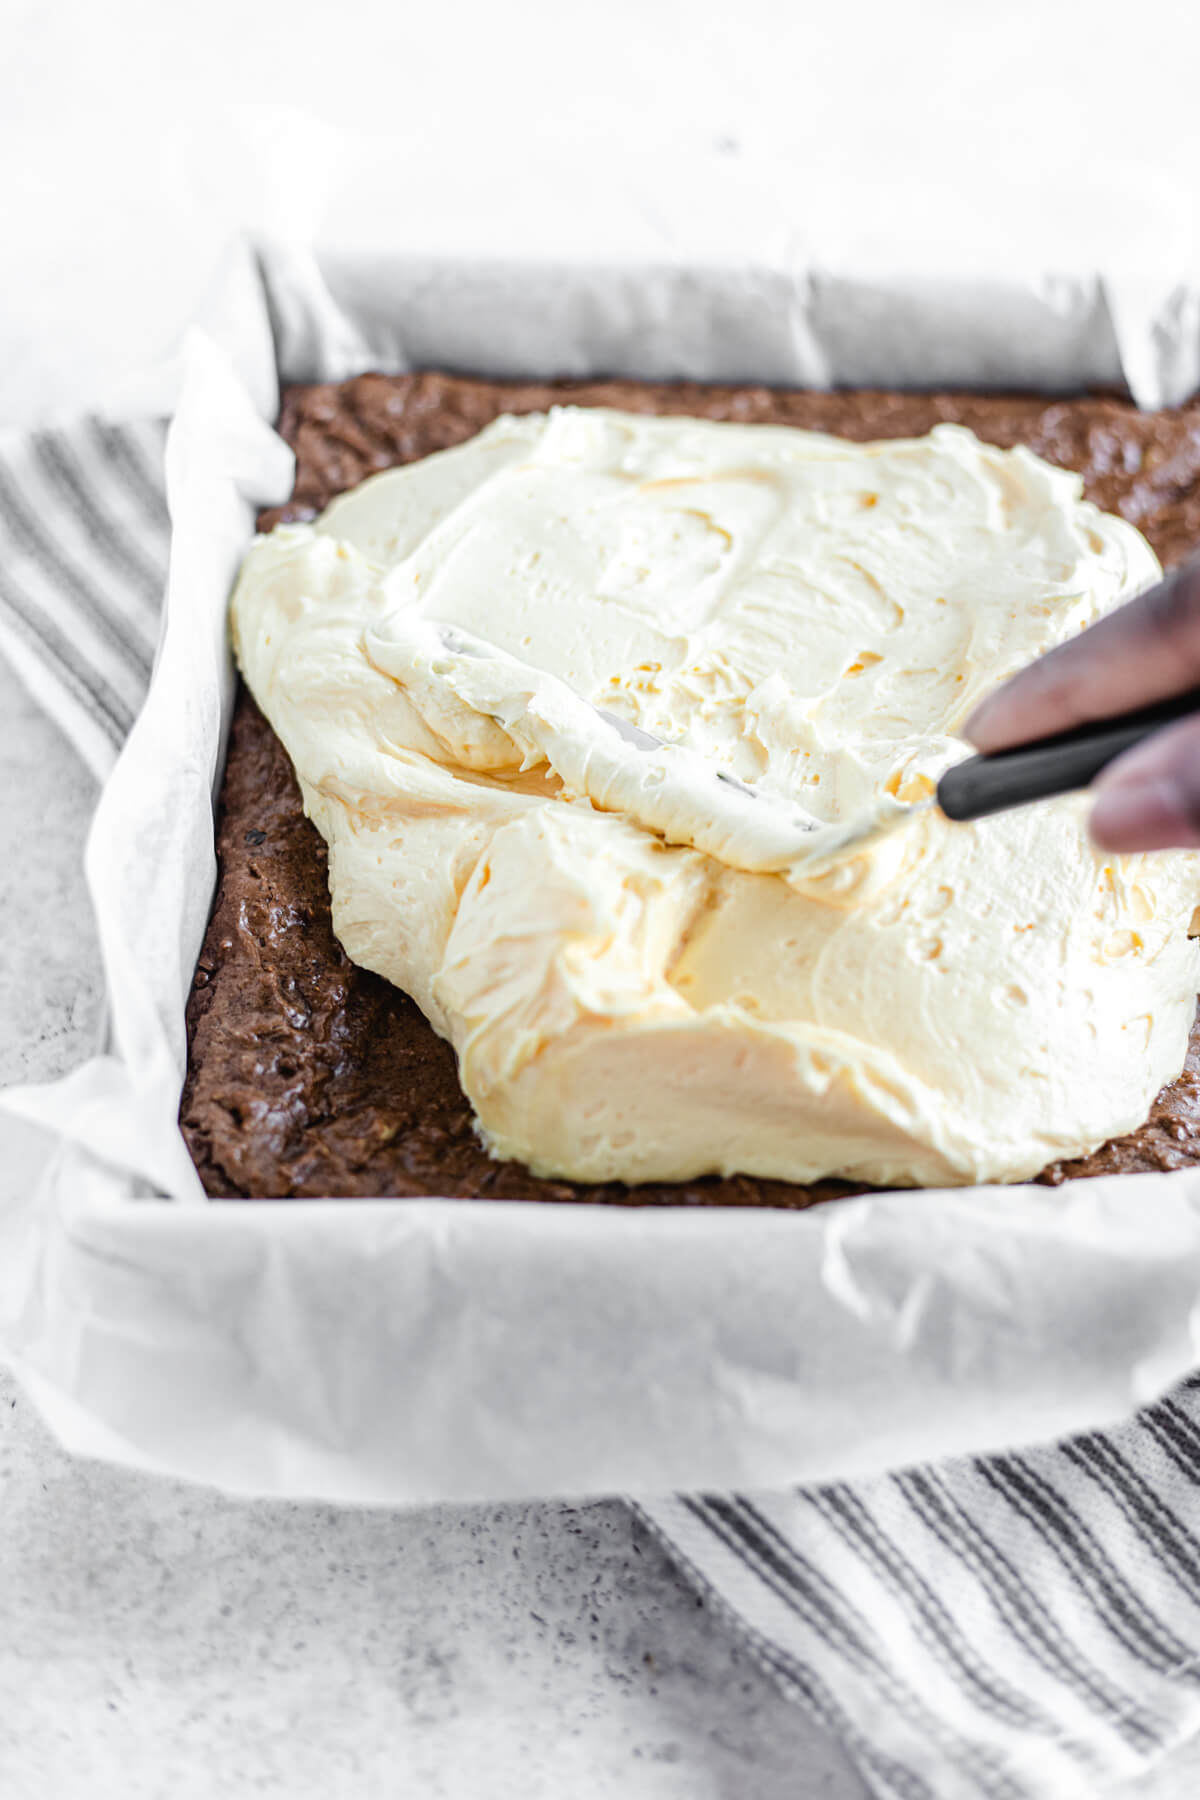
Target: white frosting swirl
x: 645, y: 975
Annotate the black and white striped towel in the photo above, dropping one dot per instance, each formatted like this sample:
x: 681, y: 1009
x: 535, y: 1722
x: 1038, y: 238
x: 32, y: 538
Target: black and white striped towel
x: 83, y: 557
x: 1021, y: 1627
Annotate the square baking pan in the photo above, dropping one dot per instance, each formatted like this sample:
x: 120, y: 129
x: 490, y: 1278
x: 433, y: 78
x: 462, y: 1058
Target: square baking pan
x: 406, y: 1350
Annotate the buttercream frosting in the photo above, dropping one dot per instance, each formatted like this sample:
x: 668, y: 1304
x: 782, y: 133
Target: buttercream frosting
x: 646, y: 974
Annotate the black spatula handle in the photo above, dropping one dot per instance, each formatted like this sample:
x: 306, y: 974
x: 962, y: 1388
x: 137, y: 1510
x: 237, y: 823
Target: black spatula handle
x: 1052, y: 765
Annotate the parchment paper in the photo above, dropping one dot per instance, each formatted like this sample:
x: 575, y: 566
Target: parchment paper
x: 396, y: 1350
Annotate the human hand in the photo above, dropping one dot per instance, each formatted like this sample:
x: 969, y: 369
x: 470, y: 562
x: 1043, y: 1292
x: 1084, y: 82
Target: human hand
x: 1148, y: 650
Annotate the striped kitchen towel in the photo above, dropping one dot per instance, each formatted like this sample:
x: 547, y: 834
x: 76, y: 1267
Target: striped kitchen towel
x: 84, y: 537
x: 1018, y: 1627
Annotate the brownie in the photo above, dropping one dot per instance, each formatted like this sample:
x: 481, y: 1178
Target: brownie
x: 308, y: 1076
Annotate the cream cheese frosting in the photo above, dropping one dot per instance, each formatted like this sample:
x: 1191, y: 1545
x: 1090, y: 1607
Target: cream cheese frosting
x: 645, y: 974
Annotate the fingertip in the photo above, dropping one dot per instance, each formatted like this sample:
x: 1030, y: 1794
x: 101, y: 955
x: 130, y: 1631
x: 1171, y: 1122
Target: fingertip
x: 1017, y: 713
x: 978, y: 727
x: 1144, y: 814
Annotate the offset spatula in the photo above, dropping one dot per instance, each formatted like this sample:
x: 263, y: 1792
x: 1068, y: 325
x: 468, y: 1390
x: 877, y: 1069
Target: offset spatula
x: 1052, y: 765
x: 1036, y: 771
x: 982, y: 785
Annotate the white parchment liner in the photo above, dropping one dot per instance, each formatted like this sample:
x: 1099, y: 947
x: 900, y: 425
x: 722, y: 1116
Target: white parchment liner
x: 383, y: 1351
